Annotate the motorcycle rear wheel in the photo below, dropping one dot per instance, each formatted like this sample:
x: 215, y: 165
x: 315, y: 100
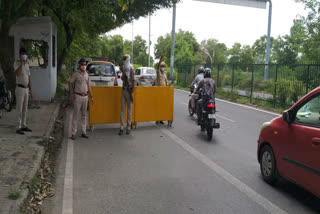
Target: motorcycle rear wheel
x: 209, y: 133
x: 190, y: 109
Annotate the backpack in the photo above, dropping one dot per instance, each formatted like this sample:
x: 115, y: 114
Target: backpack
x: 208, y: 89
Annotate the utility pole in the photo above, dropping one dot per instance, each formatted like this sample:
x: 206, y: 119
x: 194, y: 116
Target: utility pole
x: 149, y: 40
x: 132, y: 45
x: 173, y: 35
x: 266, y: 68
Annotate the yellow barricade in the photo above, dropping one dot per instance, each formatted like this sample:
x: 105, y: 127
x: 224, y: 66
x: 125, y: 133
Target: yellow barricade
x: 150, y: 103
x: 153, y: 103
x: 107, y: 105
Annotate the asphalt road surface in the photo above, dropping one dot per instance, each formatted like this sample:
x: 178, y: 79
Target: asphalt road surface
x: 161, y: 169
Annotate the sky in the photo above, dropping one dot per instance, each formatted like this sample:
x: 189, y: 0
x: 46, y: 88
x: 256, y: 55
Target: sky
x: 226, y: 23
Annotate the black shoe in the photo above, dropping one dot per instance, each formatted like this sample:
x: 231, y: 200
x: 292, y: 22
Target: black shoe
x: 26, y: 129
x: 128, y: 131
x: 121, y: 132
x: 85, y: 136
x: 161, y: 122
x: 19, y: 131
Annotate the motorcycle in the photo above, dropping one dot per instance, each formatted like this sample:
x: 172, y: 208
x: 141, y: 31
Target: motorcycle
x: 5, y: 96
x: 208, y: 118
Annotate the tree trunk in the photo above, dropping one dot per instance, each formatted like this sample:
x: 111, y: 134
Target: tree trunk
x: 65, y: 50
x: 7, y: 54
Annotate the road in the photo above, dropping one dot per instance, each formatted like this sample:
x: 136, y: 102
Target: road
x: 160, y: 169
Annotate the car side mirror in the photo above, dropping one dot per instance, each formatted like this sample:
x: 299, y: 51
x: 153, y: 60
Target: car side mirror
x: 287, y: 116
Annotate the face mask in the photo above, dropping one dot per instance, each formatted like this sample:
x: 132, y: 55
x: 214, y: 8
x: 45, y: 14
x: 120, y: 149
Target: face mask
x: 162, y: 69
x: 24, y: 57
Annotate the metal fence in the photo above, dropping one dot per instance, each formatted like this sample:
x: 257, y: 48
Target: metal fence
x: 285, y: 84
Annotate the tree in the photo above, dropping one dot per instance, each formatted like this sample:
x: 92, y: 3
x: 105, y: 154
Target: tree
x: 246, y: 55
x: 234, y: 53
x: 259, y: 50
x: 284, y: 53
x: 213, y: 51
x: 311, y: 26
x: 186, y: 48
x: 72, y: 18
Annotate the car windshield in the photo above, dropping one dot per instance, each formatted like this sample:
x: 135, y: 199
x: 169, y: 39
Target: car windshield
x: 149, y: 71
x: 101, y: 70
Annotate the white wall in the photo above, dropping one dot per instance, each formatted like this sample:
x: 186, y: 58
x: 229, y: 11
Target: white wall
x: 43, y: 80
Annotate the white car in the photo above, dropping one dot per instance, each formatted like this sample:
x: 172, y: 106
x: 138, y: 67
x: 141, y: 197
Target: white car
x: 102, y: 73
x: 145, y: 76
x: 119, y: 74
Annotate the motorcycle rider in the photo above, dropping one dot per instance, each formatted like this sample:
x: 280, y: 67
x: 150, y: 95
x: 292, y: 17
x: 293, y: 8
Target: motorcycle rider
x: 196, y: 81
x: 208, y: 91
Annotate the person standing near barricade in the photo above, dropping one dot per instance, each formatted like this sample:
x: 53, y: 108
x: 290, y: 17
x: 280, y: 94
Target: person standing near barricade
x: 79, y: 88
x: 127, y: 93
x: 161, y: 79
x: 22, y: 91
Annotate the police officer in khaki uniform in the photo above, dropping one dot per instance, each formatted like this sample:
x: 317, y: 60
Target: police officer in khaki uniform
x: 127, y: 93
x: 79, y: 88
x: 23, y: 86
x: 161, y: 79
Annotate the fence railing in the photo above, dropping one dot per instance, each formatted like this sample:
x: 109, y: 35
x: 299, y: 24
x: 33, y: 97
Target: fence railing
x: 284, y: 86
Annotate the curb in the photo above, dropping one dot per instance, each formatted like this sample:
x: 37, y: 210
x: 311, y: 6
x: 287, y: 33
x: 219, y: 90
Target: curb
x: 15, y: 208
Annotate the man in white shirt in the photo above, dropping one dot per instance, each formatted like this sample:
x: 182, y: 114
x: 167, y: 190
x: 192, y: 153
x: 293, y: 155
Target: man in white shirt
x: 23, y: 86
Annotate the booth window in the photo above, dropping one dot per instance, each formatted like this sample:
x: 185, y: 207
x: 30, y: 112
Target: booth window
x: 37, y: 52
x: 53, y: 51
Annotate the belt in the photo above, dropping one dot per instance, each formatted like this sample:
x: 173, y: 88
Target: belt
x: 81, y: 94
x: 21, y: 86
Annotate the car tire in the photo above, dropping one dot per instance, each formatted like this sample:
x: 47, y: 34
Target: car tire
x: 268, y: 165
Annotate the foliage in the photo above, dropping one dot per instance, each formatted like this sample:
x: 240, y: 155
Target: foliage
x: 186, y: 48
x: 213, y: 51
x: 311, y: 26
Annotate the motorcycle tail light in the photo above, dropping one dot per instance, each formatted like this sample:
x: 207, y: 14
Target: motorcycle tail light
x: 211, y: 105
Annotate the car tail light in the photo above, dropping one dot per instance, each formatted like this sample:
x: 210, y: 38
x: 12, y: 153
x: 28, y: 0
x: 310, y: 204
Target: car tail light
x: 115, y: 83
x: 141, y: 79
x: 211, y: 105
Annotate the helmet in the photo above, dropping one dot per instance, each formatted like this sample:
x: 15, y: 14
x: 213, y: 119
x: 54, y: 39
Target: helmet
x: 201, y: 70
x: 207, y: 73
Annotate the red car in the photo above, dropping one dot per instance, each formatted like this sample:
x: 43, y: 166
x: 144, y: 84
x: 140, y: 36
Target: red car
x: 289, y: 146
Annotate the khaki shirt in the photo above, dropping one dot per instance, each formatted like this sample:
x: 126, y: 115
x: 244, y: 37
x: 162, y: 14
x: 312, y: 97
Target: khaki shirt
x: 130, y: 75
x: 80, y: 81
x: 23, y: 77
x: 163, y: 79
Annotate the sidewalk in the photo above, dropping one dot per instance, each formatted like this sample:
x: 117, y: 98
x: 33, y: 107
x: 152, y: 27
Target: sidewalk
x: 20, y: 155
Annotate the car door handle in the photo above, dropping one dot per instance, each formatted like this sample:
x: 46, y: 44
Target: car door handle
x: 316, y: 141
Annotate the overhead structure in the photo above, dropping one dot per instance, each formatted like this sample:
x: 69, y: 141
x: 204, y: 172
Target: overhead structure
x: 256, y: 4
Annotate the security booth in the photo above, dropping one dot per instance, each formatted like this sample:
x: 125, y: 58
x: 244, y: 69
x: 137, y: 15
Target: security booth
x: 38, y: 35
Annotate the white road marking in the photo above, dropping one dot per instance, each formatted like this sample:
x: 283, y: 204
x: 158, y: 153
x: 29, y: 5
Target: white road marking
x: 67, y: 204
x: 185, y: 104
x: 244, y: 106
x: 226, y: 118
x: 242, y: 187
